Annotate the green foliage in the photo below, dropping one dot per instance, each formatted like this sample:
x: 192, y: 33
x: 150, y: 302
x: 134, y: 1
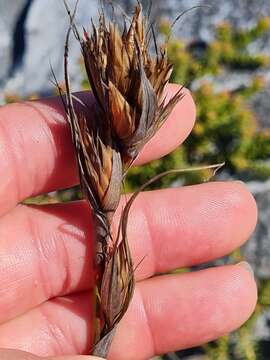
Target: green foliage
x: 226, y: 130
x: 218, y: 350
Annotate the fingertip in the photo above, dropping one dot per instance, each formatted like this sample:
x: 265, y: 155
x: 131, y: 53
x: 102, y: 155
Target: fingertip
x: 244, y: 205
x: 249, y: 285
x: 238, y: 299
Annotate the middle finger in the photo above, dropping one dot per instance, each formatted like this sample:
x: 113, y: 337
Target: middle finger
x: 48, y: 252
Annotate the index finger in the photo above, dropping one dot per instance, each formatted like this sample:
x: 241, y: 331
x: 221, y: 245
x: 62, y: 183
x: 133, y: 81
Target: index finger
x: 36, y: 154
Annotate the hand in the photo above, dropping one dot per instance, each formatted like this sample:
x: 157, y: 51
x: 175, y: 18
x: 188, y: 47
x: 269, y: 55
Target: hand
x: 46, y: 279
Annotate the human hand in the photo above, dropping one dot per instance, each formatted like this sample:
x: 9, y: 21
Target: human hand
x: 46, y: 279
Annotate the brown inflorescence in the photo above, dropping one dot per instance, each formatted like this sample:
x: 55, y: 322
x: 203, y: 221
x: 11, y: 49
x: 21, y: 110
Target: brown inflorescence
x: 128, y: 84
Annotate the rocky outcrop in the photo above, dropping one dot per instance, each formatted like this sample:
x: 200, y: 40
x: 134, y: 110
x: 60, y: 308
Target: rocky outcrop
x: 10, y: 13
x: 43, y: 26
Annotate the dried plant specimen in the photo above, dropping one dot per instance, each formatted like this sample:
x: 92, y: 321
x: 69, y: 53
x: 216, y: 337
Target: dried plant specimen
x: 128, y: 84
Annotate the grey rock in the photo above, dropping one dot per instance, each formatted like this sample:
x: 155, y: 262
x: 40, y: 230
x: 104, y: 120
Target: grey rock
x: 261, y: 104
x: 262, y: 326
x: 9, y: 13
x: 233, y: 80
x: 200, y: 23
x: 201, y: 17
x: 257, y: 249
x: 45, y: 30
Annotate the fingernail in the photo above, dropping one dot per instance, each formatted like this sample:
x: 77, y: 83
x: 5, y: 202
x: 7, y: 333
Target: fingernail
x: 247, y: 266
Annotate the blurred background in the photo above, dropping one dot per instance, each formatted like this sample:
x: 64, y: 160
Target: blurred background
x: 222, y: 53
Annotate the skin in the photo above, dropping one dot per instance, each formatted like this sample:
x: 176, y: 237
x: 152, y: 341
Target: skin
x: 46, y: 278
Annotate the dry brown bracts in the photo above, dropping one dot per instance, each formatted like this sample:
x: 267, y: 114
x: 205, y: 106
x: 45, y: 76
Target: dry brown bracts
x: 128, y: 84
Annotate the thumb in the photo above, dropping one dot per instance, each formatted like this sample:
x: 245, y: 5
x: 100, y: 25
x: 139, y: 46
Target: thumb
x: 8, y: 354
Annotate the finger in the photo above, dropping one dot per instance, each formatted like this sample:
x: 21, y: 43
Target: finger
x: 167, y: 313
x: 36, y: 153
x: 61, y: 326
x: 10, y: 354
x: 83, y: 357
x: 188, y: 226
x: 171, y: 313
x: 47, y: 251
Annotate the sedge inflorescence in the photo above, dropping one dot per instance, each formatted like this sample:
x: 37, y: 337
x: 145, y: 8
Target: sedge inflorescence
x: 128, y: 83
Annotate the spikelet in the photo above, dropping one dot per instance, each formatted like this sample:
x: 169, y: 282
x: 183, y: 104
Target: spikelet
x: 127, y: 82
x: 128, y: 85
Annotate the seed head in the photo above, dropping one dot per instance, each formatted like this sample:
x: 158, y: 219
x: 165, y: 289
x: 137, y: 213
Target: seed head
x: 127, y: 81
x: 128, y: 84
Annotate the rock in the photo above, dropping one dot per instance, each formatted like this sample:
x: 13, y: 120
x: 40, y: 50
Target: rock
x: 262, y: 326
x: 45, y: 29
x: 233, y: 80
x: 257, y: 249
x: 9, y: 14
x: 261, y: 104
x: 202, y: 17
